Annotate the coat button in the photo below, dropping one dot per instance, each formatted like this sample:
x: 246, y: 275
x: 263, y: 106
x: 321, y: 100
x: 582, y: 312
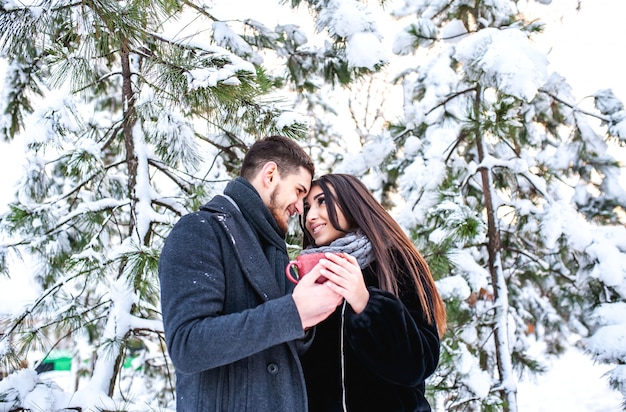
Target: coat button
x: 272, y: 368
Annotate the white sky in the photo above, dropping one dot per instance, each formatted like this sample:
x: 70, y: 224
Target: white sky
x: 573, y: 384
x: 587, y: 48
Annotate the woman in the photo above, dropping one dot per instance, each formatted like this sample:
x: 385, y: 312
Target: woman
x: 376, y: 351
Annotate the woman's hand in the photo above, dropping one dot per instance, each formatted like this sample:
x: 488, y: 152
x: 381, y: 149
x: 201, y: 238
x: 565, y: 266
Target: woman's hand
x: 345, y: 278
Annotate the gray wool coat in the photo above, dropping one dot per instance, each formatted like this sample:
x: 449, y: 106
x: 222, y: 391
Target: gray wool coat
x: 233, y: 336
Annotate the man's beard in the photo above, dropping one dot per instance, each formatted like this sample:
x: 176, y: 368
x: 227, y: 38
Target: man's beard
x: 278, y: 212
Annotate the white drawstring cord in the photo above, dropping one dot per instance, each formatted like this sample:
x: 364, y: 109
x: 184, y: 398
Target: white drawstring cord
x: 343, y: 361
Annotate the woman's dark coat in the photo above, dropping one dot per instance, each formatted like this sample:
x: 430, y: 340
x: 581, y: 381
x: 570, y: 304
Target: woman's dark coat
x: 389, y: 351
x: 230, y: 330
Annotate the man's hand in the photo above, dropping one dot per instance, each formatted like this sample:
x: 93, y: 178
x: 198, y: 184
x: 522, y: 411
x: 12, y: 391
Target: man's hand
x: 315, y: 301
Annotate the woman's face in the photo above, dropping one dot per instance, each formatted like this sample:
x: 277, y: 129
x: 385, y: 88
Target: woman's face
x: 317, y: 220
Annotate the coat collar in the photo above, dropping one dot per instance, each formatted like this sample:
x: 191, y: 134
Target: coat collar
x: 247, y: 248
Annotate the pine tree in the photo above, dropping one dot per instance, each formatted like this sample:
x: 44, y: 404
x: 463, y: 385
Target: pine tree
x: 498, y: 170
x: 127, y: 128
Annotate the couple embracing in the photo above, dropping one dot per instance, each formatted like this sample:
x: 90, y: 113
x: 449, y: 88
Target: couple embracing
x: 361, y: 332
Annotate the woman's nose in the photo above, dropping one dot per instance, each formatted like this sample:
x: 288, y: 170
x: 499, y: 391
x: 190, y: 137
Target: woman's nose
x: 311, y: 215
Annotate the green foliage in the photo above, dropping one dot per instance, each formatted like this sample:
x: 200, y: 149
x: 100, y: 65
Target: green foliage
x: 114, y: 161
x: 140, y: 266
x: 23, y: 79
x: 438, y: 258
x: 423, y: 32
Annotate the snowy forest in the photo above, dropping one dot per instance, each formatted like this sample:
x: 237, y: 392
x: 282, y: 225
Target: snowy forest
x: 133, y: 113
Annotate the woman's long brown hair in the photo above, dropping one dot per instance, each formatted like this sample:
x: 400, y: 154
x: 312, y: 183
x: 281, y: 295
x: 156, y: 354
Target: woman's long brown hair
x: 389, y: 241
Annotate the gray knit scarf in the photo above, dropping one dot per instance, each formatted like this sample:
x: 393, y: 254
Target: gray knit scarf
x: 354, y: 243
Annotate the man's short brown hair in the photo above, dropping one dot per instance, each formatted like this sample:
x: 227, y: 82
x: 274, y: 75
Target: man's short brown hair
x: 286, y: 153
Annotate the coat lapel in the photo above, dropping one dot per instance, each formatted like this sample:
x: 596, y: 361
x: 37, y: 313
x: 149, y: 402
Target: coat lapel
x: 249, y: 253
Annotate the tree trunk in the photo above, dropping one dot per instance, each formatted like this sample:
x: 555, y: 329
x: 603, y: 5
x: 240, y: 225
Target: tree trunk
x: 508, y: 386
x: 129, y: 121
x: 128, y: 124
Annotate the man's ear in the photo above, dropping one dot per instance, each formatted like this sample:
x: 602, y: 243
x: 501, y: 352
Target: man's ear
x: 269, y: 173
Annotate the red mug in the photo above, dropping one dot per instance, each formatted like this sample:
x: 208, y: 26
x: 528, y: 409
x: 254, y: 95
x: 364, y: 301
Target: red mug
x: 303, y: 264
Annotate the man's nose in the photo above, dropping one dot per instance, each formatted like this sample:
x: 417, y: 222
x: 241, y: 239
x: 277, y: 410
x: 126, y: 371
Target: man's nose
x: 300, y: 206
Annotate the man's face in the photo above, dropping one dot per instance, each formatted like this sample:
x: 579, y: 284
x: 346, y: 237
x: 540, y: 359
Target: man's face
x: 286, y: 199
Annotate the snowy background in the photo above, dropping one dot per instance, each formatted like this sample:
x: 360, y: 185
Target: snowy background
x: 573, y: 383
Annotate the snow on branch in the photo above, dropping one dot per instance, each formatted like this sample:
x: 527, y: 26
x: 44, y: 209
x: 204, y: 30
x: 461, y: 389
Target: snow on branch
x: 504, y: 59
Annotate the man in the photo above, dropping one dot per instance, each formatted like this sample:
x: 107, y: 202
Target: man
x: 233, y: 326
